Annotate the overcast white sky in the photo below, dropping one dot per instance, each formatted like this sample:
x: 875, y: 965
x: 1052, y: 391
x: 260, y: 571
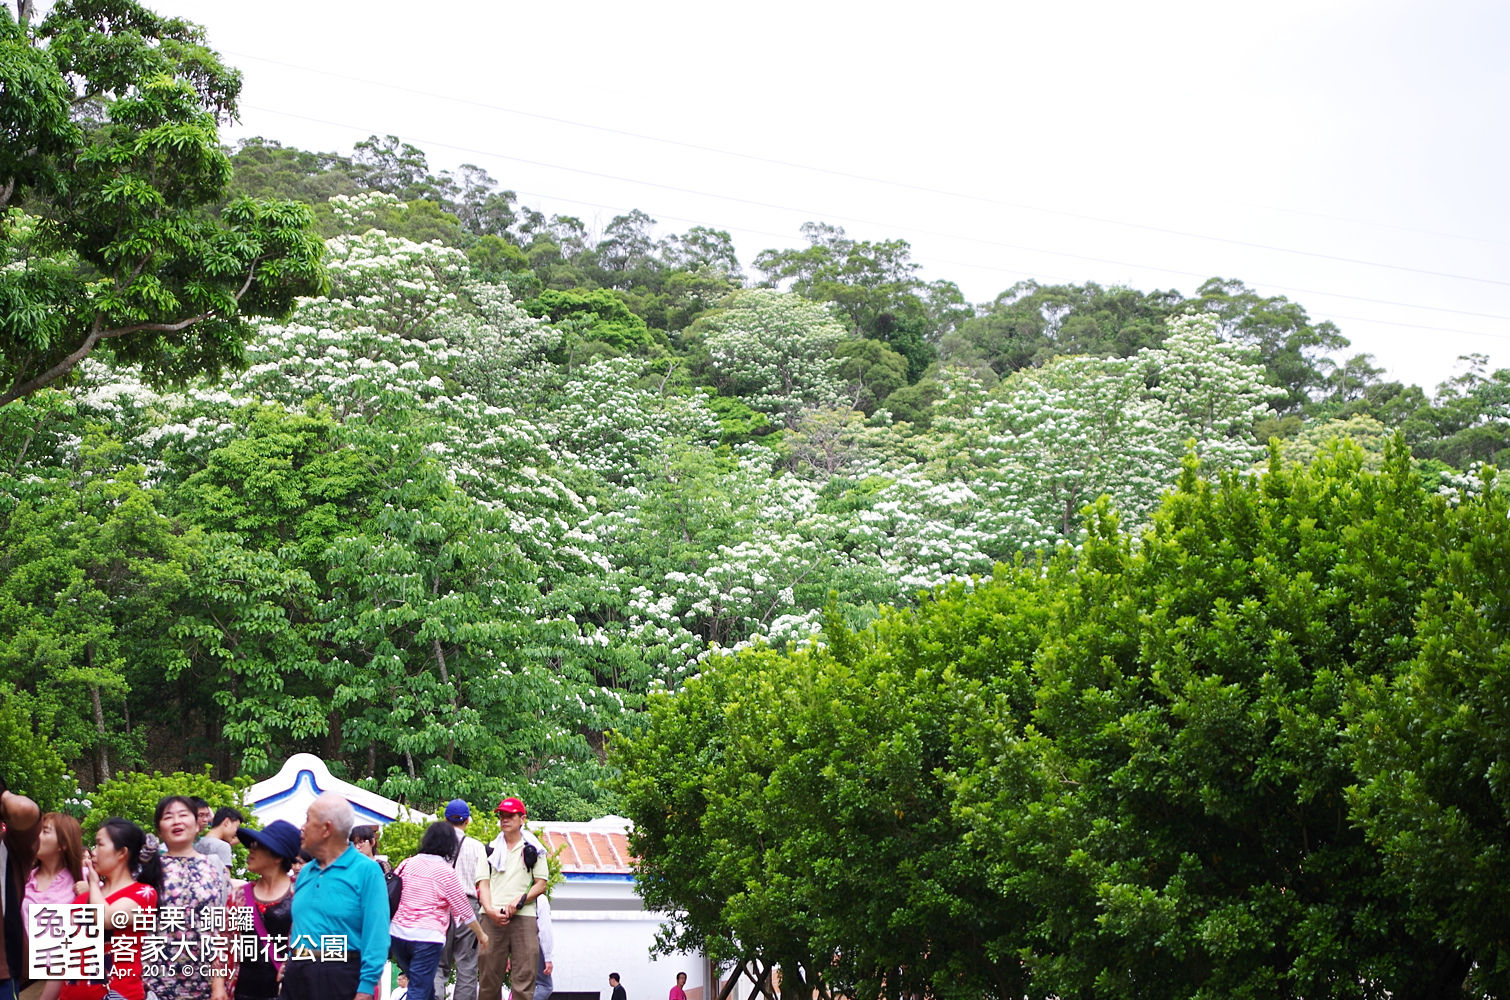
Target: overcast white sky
x: 1350, y: 155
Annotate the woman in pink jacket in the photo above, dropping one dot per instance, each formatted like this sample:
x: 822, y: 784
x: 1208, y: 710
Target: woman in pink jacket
x: 431, y: 896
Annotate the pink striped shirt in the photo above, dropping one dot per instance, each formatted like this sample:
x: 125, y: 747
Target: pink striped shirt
x: 431, y: 888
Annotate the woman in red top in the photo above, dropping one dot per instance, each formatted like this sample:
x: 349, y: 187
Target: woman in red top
x: 122, y: 878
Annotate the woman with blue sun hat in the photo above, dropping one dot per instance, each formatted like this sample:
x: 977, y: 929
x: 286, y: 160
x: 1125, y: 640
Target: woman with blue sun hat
x: 271, y: 852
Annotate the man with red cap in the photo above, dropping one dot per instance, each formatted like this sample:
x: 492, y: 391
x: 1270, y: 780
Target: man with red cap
x: 509, y: 879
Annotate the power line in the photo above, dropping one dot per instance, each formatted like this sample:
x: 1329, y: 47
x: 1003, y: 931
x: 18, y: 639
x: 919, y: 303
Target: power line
x: 1062, y: 213
x: 1386, y: 225
x: 813, y: 213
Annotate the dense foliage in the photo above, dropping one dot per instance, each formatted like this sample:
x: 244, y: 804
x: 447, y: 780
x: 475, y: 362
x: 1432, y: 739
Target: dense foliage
x: 109, y: 155
x: 1255, y: 750
x: 466, y: 483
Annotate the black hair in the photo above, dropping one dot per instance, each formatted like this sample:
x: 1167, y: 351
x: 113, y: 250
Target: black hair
x: 127, y: 836
x: 439, y: 839
x: 367, y: 832
x: 195, y: 803
x: 614, y: 976
x: 167, y: 800
x: 227, y: 812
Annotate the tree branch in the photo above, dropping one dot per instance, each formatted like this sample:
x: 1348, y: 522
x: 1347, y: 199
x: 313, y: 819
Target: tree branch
x: 19, y: 388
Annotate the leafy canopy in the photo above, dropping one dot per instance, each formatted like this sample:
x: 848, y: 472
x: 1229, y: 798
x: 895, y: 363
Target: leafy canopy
x: 110, y: 166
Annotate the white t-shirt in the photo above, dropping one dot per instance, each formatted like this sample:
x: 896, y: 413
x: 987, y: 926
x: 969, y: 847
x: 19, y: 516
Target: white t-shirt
x: 215, y: 848
x: 468, y: 854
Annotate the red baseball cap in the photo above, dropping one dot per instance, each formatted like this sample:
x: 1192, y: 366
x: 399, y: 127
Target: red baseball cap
x: 512, y: 805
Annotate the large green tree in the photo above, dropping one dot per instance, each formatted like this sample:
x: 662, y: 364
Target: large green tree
x: 1129, y: 772
x: 1285, y: 341
x: 1029, y: 324
x: 110, y: 163
x: 1433, y: 746
x: 92, y: 575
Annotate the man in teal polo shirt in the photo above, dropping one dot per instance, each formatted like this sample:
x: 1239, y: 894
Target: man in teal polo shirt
x: 340, y: 935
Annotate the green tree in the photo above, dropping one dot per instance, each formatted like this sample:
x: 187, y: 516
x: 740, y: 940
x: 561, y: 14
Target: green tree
x: 392, y: 166
x: 1432, y: 751
x: 627, y: 252
x: 774, y: 349
x: 264, y: 168
x: 135, y: 795
x: 1468, y: 421
x: 33, y: 765
x: 702, y: 247
x: 1126, y: 772
x: 1028, y: 324
x: 92, y: 572
x: 1280, y: 332
x: 598, y: 315
x: 472, y: 195
x: 871, y: 371
x: 110, y: 160
x: 864, y: 280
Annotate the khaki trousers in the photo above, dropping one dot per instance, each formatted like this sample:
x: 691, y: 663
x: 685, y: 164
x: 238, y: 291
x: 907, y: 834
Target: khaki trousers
x: 515, y: 946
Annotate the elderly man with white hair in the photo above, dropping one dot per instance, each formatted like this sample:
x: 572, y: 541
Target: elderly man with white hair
x: 340, y: 935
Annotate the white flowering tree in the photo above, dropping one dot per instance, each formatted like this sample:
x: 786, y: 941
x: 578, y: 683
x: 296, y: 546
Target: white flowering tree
x: 775, y: 349
x: 1048, y: 441
x: 416, y: 536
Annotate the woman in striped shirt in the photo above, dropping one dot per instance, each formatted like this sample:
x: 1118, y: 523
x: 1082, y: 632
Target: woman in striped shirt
x: 431, y: 895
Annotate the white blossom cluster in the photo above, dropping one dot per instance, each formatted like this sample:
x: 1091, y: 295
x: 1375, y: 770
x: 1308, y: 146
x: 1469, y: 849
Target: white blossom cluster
x: 776, y: 350
x: 648, y: 545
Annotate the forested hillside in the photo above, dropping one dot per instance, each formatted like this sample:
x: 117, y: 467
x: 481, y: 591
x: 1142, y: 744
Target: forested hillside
x: 445, y: 497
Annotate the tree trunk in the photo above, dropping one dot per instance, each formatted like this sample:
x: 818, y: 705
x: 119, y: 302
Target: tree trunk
x: 31, y: 433
x: 101, y: 752
x: 440, y: 658
x: 332, y: 741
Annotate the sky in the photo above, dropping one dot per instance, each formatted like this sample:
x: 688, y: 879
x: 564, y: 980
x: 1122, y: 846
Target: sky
x: 1349, y: 155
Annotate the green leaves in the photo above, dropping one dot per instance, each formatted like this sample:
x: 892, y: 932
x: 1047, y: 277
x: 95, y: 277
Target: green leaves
x: 1256, y: 751
x: 124, y: 253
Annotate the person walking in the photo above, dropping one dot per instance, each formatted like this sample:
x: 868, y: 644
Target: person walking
x: 54, y: 878
x: 431, y: 898
x: 618, y: 987
x: 365, y: 839
x: 509, y: 880
x: 460, y: 951
x: 123, y: 876
x: 19, y: 818
x: 679, y: 991
x: 196, y: 884
x: 340, y: 898
x: 216, y: 842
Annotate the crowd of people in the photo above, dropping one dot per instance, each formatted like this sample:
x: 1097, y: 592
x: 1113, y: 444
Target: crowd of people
x: 319, y: 920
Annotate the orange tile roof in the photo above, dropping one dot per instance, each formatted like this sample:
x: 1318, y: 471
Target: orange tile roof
x: 591, y: 852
